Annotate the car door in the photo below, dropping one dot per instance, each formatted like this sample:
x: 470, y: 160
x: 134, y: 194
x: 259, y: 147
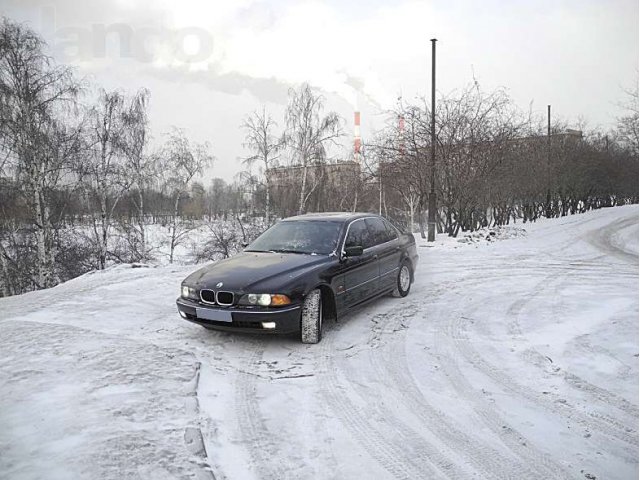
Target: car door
x: 360, y: 273
x: 387, y: 249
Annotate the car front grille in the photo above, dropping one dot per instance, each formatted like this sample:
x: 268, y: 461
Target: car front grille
x: 208, y: 296
x: 224, y: 298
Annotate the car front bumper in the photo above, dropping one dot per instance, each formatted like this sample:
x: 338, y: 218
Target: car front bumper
x: 286, y: 319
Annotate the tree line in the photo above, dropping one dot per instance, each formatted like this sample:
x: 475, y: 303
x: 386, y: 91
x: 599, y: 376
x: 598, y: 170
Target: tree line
x: 64, y: 160
x: 81, y: 183
x: 495, y: 164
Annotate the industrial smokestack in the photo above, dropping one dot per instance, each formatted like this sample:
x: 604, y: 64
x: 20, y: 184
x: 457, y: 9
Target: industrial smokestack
x: 401, y: 133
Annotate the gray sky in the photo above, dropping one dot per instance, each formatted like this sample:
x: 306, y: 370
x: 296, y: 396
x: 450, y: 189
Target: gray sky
x: 208, y: 63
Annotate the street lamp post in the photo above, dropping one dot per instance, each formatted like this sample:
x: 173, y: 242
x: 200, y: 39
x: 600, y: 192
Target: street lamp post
x: 431, y: 235
x: 548, y: 209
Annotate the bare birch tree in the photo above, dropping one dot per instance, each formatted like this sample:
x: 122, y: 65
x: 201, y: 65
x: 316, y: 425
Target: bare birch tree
x: 140, y: 165
x: 103, y: 172
x: 182, y: 163
x: 32, y: 91
x: 309, y: 133
x: 260, y: 140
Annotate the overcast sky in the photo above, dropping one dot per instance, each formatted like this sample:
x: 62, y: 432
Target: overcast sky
x: 209, y: 63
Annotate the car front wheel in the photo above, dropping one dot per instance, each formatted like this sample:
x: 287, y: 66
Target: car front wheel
x: 311, y: 323
x: 403, y: 282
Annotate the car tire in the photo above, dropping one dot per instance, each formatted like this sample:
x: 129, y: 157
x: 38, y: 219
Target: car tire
x: 403, y: 281
x: 311, y: 321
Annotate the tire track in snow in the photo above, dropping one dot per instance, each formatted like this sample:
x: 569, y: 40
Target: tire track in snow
x: 483, y: 458
x: 193, y: 435
x: 606, y: 426
x: 448, y: 463
x: 602, y: 239
x: 594, y: 422
x: 251, y: 424
x: 391, y: 452
x: 543, y: 263
x: 516, y: 442
x: 600, y: 394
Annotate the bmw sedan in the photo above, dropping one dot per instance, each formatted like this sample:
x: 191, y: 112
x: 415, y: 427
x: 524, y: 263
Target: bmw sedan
x: 299, y: 273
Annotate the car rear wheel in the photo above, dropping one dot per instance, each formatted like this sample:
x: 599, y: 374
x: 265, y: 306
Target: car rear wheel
x: 311, y: 323
x: 403, y: 282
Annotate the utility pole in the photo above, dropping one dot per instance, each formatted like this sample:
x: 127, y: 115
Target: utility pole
x: 431, y: 234
x: 548, y: 161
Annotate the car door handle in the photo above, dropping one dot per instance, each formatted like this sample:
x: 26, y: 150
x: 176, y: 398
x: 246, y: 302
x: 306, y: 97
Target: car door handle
x: 375, y: 257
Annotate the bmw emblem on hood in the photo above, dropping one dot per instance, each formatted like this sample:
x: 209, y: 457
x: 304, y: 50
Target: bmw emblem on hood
x: 219, y: 284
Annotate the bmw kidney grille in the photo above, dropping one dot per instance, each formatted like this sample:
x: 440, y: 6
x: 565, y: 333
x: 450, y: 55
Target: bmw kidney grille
x: 224, y: 299
x: 207, y: 296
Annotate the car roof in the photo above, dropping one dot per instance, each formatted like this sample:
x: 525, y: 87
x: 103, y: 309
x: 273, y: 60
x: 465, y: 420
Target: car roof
x: 331, y: 216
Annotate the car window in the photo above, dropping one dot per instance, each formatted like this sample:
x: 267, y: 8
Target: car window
x: 358, y: 235
x: 378, y: 230
x: 391, y: 230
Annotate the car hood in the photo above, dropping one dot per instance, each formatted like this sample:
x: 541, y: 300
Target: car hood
x: 255, y: 272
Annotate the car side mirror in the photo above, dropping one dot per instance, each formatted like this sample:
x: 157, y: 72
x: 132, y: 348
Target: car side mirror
x: 354, y: 251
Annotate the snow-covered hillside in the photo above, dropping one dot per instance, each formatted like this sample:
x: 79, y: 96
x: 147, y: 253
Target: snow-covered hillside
x: 510, y: 358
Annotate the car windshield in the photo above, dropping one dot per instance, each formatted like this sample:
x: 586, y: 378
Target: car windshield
x: 299, y: 236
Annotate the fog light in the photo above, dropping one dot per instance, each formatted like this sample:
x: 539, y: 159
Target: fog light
x: 182, y: 314
x: 268, y: 324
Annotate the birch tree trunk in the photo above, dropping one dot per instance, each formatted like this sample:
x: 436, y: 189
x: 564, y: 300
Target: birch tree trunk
x: 303, y: 189
x: 174, y: 226
x: 421, y: 216
x: 44, y: 271
x: 102, y: 243
x: 412, y: 210
x: 6, y: 279
x: 268, y: 200
x: 141, y: 220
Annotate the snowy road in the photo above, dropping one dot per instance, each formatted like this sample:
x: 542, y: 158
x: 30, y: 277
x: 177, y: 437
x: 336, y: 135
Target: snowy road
x: 511, y: 359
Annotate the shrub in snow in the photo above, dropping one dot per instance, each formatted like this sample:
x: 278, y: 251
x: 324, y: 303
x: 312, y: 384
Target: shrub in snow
x: 493, y: 234
x: 223, y: 239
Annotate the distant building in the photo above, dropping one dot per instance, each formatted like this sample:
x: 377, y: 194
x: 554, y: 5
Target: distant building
x: 569, y: 137
x: 330, y: 185
x: 333, y: 173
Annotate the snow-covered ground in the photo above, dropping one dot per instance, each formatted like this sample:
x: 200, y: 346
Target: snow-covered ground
x: 510, y: 358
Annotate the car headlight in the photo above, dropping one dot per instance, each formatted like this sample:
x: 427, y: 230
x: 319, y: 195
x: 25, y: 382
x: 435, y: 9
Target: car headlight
x: 265, y: 299
x: 189, y: 292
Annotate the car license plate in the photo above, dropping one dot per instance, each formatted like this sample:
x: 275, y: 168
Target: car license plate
x: 215, y: 315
